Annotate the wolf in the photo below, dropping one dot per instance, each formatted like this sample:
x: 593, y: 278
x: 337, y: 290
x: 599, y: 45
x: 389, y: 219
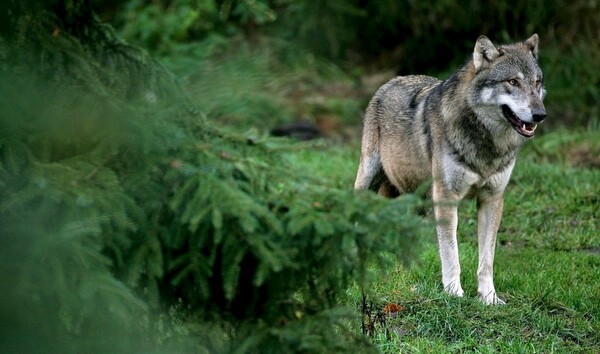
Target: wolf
x: 462, y: 134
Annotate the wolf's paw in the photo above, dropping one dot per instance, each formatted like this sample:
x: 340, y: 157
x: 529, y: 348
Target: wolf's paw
x: 491, y: 299
x: 454, y: 289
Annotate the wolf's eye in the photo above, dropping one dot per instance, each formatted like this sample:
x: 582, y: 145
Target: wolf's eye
x: 513, y: 82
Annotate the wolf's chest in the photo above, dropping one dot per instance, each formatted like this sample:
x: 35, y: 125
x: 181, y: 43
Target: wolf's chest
x: 467, y: 183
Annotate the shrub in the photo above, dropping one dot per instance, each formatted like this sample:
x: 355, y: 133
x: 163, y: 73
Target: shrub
x: 130, y: 224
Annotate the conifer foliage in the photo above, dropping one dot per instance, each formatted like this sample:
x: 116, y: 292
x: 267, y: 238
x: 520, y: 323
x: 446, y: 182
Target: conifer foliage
x: 130, y: 224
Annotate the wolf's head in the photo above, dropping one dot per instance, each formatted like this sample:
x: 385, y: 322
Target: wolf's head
x: 508, y: 84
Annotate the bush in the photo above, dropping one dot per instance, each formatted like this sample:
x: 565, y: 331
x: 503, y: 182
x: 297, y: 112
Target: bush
x: 130, y: 224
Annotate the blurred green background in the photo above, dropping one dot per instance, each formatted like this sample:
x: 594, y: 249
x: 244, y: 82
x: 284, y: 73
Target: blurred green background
x: 262, y: 62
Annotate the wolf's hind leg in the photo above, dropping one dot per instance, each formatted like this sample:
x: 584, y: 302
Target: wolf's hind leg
x: 386, y: 188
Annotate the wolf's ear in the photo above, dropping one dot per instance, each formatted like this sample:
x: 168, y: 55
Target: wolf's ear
x: 485, y: 52
x: 532, y: 44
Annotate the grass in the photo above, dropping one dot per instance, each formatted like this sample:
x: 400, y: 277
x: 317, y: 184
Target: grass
x: 552, y: 305
x: 547, y: 261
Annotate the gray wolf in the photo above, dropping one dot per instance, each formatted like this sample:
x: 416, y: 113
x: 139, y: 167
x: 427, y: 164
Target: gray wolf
x: 463, y: 135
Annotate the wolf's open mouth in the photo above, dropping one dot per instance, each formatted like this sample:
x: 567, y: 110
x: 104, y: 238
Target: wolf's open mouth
x: 523, y: 128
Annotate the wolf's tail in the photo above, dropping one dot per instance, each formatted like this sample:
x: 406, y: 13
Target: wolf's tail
x: 370, y: 167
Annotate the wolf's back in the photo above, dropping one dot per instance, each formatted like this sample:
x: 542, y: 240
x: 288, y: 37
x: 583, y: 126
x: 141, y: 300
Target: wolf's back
x: 397, y: 133
x: 396, y: 106
x: 399, y: 98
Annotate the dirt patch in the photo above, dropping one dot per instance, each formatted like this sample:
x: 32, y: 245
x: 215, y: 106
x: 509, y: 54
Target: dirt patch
x: 595, y: 250
x: 584, y: 156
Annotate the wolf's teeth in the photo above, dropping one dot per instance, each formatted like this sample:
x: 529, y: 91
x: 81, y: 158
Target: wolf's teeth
x: 524, y: 127
x: 533, y: 127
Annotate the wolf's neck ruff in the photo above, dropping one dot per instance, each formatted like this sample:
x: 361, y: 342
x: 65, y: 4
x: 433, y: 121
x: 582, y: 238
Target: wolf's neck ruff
x: 472, y: 143
x: 475, y: 147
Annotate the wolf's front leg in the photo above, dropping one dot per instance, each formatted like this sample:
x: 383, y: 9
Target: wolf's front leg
x: 446, y: 216
x: 488, y: 219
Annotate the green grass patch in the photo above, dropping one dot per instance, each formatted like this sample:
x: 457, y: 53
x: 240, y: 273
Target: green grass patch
x: 547, y: 260
x: 333, y: 165
x: 552, y: 305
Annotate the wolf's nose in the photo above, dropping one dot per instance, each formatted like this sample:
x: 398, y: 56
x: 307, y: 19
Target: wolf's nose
x: 539, y: 115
